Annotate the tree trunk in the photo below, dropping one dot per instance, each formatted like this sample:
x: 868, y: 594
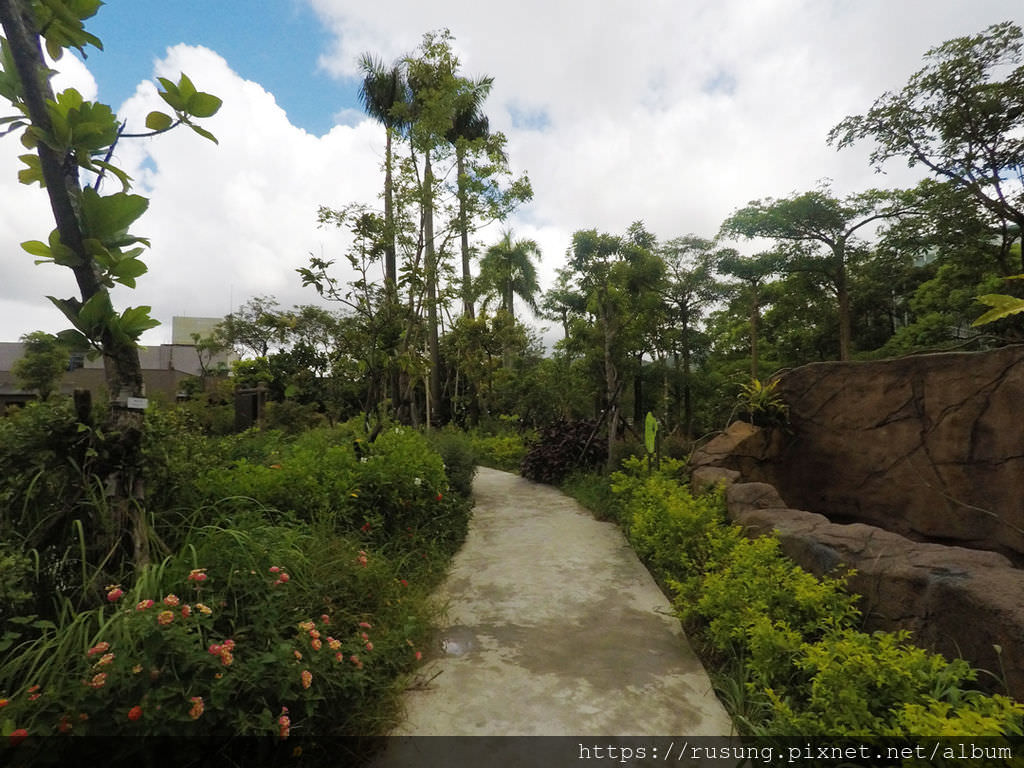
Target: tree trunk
x: 434, y: 384
x: 123, y: 372
x: 843, y: 296
x: 467, y: 278
x: 755, y: 319
x: 611, y: 382
x: 391, y: 271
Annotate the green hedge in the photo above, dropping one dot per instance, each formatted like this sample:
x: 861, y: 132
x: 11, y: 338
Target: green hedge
x: 800, y: 668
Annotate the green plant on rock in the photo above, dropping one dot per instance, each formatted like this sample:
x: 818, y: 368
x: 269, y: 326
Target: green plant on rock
x: 761, y: 405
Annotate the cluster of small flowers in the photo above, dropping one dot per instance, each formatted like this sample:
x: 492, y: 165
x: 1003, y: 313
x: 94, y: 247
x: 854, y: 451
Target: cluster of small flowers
x: 282, y: 577
x: 285, y: 724
x: 197, y: 707
x: 363, y: 558
x: 225, y: 650
x: 197, y: 575
x: 114, y: 593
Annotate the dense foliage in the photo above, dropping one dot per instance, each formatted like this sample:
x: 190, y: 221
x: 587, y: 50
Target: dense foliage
x: 288, y: 604
x: 791, y: 660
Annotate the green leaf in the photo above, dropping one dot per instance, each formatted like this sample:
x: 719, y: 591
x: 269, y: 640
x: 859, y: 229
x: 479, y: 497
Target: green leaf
x: 95, y: 313
x: 69, y: 307
x: 159, y: 121
x: 203, y: 105
x: 74, y: 340
x: 33, y: 173
x: 126, y: 270
x: 204, y: 133
x: 186, y: 88
x: 135, y: 320
x: 124, y: 178
x: 1002, y: 306
x: 171, y: 95
x: 37, y: 248
x: 108, y: 218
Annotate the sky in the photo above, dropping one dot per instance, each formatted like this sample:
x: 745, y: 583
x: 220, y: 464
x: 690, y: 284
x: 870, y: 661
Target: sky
x: 671, y: 112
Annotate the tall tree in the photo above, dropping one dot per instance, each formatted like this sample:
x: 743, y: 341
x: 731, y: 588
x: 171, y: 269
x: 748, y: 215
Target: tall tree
x: 752, y: 274
x: 44, y: 360
x: 688, y: 289
x: 821, y: 231
x: 958, y: 120
x: 507, y: 270
x: 384, y: 94
x: 618, y: 276
x: 469, y: 124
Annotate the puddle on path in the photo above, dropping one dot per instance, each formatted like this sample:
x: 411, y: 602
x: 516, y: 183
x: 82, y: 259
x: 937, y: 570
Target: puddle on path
x: 458, y: 641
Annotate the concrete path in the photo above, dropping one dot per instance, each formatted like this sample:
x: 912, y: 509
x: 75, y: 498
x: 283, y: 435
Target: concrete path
x: 555, y: 628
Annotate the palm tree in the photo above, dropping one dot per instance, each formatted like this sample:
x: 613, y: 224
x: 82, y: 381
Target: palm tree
x: 507, y: 270
x: 469, y: 124
x: 383, y: 93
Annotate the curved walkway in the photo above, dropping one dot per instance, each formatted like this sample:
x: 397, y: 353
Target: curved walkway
x: 555, y: 628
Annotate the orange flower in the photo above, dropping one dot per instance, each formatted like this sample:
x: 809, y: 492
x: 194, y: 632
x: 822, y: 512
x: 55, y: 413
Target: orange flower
x: 144, y: 605
x: 17, y: 736
x: 197, y: 707
x: 98, y: 648
x: 165, y: 617
x: 135, y: 713
x: 317, y: 645
x: 307, y: 678
x: 98, y: 681
x: 105, y: 659
x: 172, y: 600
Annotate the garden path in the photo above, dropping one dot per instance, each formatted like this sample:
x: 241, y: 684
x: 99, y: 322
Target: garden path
x: 555, y: 628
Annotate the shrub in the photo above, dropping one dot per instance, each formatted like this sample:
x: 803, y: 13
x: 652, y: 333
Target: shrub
x: 798, y: 666
x: 504, y: 451
x: 562, y: 448
x: 211, y: 648
x: 867, y: 686
x: 459, y: 456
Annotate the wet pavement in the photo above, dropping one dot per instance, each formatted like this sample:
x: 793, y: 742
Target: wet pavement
x: 554, y: 628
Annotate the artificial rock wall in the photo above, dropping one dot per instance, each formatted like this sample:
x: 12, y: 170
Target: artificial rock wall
x: 909, y: 471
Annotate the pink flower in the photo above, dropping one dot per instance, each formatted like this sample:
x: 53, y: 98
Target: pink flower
x: 285, y: 723
x: 17, y: 736
x: 307, y: 678
x: 307, y: 625
x: 333, y: 644
x: 135, y: 713
x: 439, y: 497
x: 197, y: 574
x: 369, y: 646
x: 114, y: 594
x: 274, y: 569
x: 418, y: 655
x: 404, y: 583
x: 365, y: 625
x: 164, y: 618
x: 283, y: 578
x: 186, y: 612
x: 298, y: 655
x: 325, y: 619
x: 317, y: 645
x: 172, y: 601
x: 98, y: 681
x: 144, y: 605
x: 99, y: 648
x: 105, y: 659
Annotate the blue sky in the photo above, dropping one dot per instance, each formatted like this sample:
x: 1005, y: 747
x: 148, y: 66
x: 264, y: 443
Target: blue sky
x: 276, y: 43
x: 674, y: 113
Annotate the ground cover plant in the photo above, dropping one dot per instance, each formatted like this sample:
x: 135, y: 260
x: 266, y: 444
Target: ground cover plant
x: 289, y: 604
x: 789, y: 658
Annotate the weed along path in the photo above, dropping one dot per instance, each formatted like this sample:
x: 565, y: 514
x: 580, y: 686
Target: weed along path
x: 555, y: 628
